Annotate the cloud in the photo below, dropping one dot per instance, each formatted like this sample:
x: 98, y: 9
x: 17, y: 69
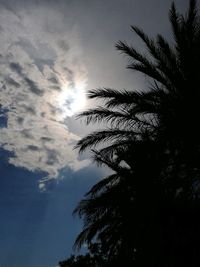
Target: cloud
x: 42, y: 74
x: 30, y: 83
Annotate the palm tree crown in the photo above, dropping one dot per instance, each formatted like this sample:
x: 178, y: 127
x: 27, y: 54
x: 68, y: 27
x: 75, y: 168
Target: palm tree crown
x: 151, y: 142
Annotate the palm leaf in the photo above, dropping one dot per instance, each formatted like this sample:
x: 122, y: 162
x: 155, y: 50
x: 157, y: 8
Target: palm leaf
x: 97, y: 137
x: 141, y: 63
x: 104, y: 184
x: 100, y: 114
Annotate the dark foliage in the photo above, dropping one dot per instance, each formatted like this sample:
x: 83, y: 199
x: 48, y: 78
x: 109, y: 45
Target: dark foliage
x: 146, y: 213
x: 94, y: 258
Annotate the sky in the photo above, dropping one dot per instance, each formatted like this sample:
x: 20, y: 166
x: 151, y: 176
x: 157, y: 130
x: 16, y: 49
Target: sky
x: 51, y: 53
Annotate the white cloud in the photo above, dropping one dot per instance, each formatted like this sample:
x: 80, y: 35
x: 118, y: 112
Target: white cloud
x: 42, y: 80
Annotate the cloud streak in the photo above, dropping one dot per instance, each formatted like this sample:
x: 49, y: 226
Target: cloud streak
x: 41, y: 76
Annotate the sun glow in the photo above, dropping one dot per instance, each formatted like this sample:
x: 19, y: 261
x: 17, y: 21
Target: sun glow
x: 72, y: 99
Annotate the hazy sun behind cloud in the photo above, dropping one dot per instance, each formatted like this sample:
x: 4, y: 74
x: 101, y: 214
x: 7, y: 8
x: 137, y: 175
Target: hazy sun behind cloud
x: 43, y: 80
x: 72, y: 97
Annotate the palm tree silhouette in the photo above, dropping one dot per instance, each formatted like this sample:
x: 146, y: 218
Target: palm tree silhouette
x: 151, y: 142
x: 104, y: 210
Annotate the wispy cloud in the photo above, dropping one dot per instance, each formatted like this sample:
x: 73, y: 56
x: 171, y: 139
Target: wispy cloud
x: 42, y: 74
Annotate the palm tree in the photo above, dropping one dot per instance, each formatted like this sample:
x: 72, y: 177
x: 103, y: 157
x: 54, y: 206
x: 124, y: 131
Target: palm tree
x: 103, y: 209
x: 155, y: 134
x: 107, y: 207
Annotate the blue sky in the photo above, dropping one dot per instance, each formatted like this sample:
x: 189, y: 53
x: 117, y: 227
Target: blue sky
x: 37, y: 228
x: 51, y: 53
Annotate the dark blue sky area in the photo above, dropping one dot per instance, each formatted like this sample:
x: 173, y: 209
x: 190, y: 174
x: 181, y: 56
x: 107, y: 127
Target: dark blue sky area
x: 37, y: 229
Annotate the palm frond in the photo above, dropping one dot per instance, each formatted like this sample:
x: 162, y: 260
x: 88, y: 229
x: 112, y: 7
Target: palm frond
x: 97, y: 137
x: 121, y: 98
x: 100, y: 114
x: 192, y: 17
x: 163, y: 56
x: 106, y: 160
x: 131, y: 52
x: 103, y: 184
x: 113, y: 98
x: 101, y: 214
x: 109, y: 152
x: 112, y: 159
x: 149, y: 42
x: 125, y: 99
x: 174, y: 18
x: 150, y: 71
x: 104, y: 93
x: 86, y: 236
x: 142, y: 63
x: 169, y: 61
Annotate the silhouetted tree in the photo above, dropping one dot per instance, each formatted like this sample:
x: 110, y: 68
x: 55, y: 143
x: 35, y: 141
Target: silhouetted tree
x: 106, y: 210
x: 147, y: 211
x: 94, y: 258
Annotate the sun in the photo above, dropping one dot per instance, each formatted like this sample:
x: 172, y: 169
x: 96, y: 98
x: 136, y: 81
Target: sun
x: 72, y: 98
